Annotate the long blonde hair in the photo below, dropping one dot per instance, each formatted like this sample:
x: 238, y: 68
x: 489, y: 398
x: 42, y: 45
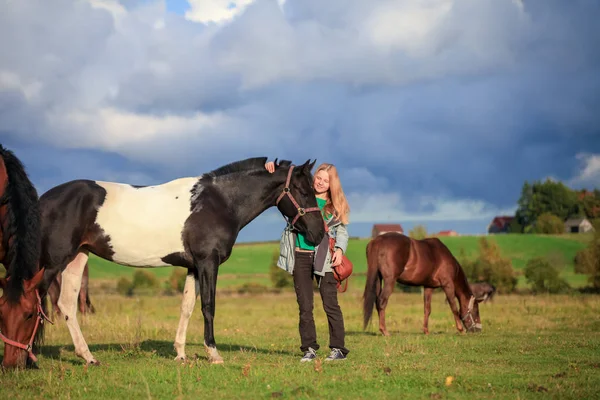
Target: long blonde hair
x: 336, y: 199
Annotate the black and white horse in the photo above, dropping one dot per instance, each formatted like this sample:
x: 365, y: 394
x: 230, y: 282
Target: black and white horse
x: 188, y: 222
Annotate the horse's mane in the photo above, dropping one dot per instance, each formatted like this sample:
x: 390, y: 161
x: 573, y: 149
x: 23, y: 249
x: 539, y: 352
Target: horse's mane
x: 461, y: 278
x: 249, y: 164
x: 237, y: 166
x: 23, y: 226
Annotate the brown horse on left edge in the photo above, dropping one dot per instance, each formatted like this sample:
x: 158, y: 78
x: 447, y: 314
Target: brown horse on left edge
x: 393, y: 257
x: 22, y: 310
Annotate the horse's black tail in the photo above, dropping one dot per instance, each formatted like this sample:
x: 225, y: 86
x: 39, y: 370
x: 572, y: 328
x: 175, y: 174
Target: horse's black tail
x: 371, y: 294
x: 23, y: 226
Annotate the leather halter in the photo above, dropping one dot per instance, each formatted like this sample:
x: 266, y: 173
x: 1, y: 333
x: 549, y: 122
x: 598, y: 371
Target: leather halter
x: 468, y: 319
x: 41, y: 316
x: 286, y: 192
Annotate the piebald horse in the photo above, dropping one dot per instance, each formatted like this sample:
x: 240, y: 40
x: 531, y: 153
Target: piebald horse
x: 21, y: 307
x: 187, y: 222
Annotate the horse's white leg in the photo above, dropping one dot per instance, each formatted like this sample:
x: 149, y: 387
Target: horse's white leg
x: 67, y: 302
x: 190, y: 292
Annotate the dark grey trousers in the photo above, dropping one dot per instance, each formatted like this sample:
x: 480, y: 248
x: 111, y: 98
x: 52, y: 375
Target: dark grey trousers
x: 303, y: 283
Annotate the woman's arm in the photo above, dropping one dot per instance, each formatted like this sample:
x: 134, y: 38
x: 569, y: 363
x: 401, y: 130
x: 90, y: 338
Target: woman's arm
x: 341, y: 238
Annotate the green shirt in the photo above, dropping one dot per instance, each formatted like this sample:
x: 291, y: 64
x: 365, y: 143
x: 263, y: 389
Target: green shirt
x: 300, y: 240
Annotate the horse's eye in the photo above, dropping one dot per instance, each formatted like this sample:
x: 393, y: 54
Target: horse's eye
x: 29, y: 317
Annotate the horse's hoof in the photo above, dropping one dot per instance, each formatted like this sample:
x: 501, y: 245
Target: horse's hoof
x: 216, y: 360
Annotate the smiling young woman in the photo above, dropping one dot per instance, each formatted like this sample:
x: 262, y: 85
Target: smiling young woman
x: 305, y: 261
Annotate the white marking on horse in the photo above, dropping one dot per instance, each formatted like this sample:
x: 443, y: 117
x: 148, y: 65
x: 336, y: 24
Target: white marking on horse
x: 145, y: 224
x: 67, y: 302
x: 190, y: 291
x: 471, y: 304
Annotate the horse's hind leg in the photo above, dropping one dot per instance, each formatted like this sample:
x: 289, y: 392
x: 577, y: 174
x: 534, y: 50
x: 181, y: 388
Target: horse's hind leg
x: 54, y: 293
x: 67, y: 302
x: 449, y: 290
x: 85, y: 305
x: 381, y: 303
x: 190, y: 292
x: 427, y: 293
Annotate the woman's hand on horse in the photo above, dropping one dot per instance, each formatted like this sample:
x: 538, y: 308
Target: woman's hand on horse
x: 336, y: 258
x: 270, y: 166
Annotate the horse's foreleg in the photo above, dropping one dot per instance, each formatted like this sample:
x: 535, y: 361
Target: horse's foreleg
x: 67, y: 302
x: 190, y: 292
x: 427, y: 293
x: 381, y: 304
x: 449, y: 290
x: 208, y: 274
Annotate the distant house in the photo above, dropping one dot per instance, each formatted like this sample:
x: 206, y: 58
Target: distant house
x: 500, y: 224
x: 447, y: 233
x: 578, y: 225
x: 379, y: 229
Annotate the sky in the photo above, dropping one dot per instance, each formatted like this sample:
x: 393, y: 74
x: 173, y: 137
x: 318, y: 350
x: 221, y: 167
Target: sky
x: 434, y: 111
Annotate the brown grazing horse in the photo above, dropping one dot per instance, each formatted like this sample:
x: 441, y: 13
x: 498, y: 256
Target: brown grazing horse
x: 21, y: 307
x: 393, y: 257
x: 84, y: 303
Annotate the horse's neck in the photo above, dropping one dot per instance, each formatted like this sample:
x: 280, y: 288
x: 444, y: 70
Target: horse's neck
x: 251, y: 196
x: 462, y: 291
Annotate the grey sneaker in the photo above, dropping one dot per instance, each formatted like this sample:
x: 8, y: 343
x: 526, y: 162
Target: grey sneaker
x: 309, y: 355
x: 336, y: 354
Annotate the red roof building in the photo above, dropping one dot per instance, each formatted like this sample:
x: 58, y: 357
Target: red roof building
x: 500, y: 224
x: 447, y: 233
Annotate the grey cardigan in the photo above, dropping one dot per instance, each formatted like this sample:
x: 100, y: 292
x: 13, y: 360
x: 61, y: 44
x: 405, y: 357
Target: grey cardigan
x: 322, y: 261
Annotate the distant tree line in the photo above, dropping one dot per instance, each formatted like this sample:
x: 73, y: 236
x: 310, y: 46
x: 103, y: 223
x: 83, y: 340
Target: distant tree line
x: 544, y: 206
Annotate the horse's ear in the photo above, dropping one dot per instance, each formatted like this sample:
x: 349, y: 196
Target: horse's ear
x: 34, y: 282
x: 311, y: 166
x: 307, y: 166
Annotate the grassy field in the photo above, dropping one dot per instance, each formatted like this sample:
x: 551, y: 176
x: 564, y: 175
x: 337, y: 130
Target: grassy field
x: 250, y: 262
x: 530, y: 347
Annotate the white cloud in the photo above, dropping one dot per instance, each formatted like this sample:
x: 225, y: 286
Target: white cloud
x: 12, y: 81
x: 369, y: 207
x: 112, y: 6
x: 406, y: 25
x: 589, y: 174
x: 217, y: 11
x: 362, y: 178
x: 120, y: 131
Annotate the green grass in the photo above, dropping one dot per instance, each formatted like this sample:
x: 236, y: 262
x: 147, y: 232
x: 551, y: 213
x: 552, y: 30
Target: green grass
x: 531, y: 347
x: 249, y: 259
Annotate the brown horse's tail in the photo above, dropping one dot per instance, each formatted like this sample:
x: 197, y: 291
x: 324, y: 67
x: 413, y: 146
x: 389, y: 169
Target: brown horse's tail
x: 373, y: 284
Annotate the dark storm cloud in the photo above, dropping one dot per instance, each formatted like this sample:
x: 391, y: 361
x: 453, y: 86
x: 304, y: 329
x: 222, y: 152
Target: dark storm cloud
x: 428, y: 110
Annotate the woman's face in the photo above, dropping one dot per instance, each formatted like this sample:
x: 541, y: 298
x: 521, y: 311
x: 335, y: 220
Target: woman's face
x: 321, y: 184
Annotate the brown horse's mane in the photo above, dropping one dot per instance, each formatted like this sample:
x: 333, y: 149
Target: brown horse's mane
x: 461, y: 278
x: 23, y: 225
